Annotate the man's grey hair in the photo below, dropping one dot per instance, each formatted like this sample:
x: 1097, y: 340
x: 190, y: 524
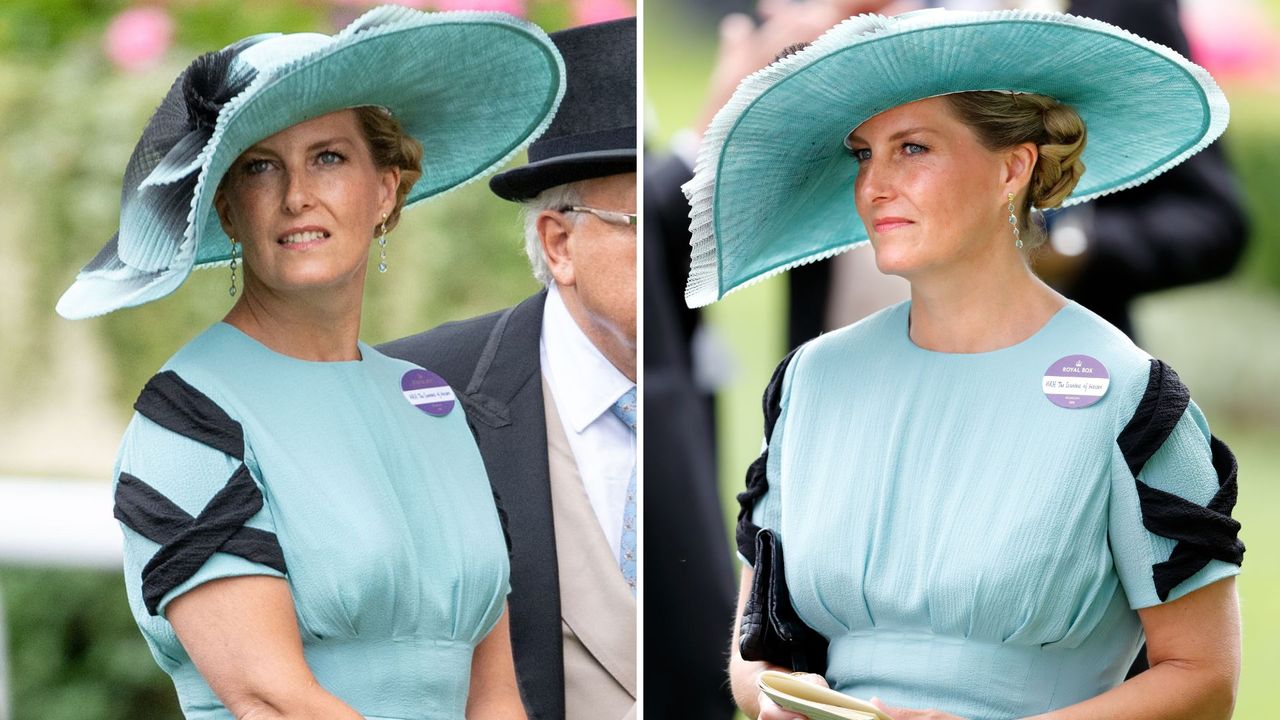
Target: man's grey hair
x: 552, y: 198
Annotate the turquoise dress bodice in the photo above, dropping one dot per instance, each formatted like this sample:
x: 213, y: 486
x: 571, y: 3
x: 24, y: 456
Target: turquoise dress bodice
x: 964, y: 543
x: 387, y: 531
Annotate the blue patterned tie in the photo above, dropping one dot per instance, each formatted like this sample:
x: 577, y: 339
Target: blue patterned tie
x: 625, y: 410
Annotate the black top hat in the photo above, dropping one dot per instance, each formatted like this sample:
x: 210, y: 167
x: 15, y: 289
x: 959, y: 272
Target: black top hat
x: 594, y: 132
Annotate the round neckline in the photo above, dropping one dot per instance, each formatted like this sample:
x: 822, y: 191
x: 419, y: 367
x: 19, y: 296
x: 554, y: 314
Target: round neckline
x: 905, y: 328
x: 360, y: 346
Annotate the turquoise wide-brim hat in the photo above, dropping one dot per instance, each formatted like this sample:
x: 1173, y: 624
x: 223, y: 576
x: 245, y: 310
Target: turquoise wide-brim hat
x: 473, y: 87
x: 773, y: 183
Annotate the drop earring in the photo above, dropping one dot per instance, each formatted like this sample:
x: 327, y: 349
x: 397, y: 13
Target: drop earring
x: 1013, y: 220
x: 382, y: 242
x: 232, y: 291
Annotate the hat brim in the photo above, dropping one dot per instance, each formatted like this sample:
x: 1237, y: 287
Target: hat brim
x: 772, y: 188
x: 526, y: 181
x: 446, y: 77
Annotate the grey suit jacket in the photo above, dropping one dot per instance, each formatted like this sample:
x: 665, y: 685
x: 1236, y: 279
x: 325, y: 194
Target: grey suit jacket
x: 492, y: 364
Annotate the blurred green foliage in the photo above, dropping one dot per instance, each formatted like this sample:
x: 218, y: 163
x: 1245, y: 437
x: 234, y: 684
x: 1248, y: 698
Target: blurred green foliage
x: 41, y: 28
x: 75, y: 651
x: 1253, y: 144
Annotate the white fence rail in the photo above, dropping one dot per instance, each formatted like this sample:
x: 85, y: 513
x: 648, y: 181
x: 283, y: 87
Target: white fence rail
x: 53, y: 523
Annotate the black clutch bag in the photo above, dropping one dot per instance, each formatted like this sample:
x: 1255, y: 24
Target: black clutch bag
x: 771, y: 630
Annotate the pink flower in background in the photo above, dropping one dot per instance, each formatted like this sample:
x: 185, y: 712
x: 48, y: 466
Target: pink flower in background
x: 514, y: 7
x: 586, y: 12
x: 1233, y: 39
x: 137, y: 38
x: 417, y: 4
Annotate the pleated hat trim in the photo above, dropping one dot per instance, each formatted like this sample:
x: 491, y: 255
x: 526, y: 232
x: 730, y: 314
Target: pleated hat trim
x: 137, y: 267
x: 781, y: 133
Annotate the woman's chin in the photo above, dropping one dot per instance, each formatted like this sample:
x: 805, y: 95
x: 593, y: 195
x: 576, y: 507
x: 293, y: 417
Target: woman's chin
x: 894, y: 261
x: 304, y: 280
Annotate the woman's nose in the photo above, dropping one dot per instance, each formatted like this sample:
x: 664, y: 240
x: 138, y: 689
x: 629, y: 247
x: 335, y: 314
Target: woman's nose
x: 874, y: 182
x: 298, y: 193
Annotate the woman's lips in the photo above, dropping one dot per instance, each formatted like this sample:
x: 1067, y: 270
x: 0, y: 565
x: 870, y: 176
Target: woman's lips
x: 889, y: 224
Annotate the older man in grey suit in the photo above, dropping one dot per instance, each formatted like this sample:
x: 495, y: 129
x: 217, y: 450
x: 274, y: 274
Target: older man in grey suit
x: 549, y: 388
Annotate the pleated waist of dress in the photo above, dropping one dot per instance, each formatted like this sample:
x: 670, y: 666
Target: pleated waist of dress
x: 384, y: 679
x: 974, y: 678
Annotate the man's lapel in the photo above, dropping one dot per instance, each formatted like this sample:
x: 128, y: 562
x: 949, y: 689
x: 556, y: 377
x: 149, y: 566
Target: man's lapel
x: 504, y: 403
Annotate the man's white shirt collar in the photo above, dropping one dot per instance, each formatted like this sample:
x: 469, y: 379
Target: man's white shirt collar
x: 585, y: 385
x: 583, y: 380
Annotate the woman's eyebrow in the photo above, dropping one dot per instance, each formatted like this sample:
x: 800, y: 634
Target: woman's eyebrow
x: 335, y: 140
x: 896, y: 136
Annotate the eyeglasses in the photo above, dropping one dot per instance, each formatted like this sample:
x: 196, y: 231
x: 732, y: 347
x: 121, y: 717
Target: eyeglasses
x: 613, y: 217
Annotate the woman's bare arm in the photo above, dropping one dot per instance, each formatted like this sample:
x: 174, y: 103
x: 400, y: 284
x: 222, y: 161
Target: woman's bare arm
x: 743, y: 673
x: 242, y: 634
x: 1193, y: 645
x: 494, y: 692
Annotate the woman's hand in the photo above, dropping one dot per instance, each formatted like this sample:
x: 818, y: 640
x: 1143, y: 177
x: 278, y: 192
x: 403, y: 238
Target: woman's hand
x: 898, y: 713
x: 769, y: 710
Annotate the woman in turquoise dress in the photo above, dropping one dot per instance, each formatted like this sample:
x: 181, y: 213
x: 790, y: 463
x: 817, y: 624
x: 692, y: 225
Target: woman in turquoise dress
x: 309, y: 531
x: 987, y: 495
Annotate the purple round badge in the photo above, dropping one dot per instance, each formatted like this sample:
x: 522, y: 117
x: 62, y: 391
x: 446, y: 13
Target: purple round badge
x: 1076, y: 381
x: 428, y: 392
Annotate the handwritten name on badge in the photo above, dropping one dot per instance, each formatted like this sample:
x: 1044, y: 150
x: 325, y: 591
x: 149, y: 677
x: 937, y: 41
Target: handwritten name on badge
x: 428, y: 392
x: 1075, y: 381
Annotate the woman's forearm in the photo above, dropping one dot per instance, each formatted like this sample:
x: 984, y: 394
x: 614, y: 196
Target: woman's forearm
x: 312, y: 702
x: 497, y: 708
x: 495, y: 693
x: 743, y: 673
x: 242, y: 633
x: 1193, y: 644
x: 1170, y: 690
x: 742, y: 680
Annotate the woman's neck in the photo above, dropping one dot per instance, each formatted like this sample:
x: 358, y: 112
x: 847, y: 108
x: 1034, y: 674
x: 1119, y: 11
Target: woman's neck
x: 320, y: 326
x: 980, y: 307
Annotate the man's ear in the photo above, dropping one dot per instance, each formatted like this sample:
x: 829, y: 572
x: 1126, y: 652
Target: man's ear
x: 554, y: 229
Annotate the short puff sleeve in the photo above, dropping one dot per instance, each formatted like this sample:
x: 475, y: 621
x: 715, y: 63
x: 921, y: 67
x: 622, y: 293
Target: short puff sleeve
x: 1173, y: 486
x: 189, y: 506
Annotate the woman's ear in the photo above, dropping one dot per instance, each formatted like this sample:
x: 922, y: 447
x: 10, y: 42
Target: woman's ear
x: 223, y: 207
x: 390, y: 184
x: 1019, y: 162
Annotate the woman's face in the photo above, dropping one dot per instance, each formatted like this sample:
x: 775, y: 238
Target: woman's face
x: 305, y: 203
x: 928, y: 192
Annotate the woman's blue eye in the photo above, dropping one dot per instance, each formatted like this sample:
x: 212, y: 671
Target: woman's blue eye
x: 861, y: 154
x: 329, y: 157
x: 913, y: 149
x: 254, y: 167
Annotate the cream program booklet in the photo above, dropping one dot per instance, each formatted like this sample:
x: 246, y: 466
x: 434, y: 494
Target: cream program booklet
x: 815, y: 701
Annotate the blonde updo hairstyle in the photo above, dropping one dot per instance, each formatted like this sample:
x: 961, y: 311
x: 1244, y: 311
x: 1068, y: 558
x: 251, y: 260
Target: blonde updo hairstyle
x: 390, y: 147
x: 1003, y: 120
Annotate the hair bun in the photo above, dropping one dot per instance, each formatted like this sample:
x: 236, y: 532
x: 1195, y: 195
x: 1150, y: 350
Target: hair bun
x: 1059, y: 167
